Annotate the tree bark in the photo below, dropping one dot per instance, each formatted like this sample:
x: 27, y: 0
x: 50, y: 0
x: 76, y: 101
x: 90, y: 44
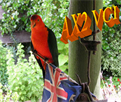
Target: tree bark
x: 78, y: 56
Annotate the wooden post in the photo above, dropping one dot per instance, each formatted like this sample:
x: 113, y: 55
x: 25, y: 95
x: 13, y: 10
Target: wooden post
x: 78, y: 56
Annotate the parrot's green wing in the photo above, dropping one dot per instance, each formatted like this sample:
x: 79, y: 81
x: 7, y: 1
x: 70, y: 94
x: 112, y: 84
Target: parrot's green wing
x: 53, y: 46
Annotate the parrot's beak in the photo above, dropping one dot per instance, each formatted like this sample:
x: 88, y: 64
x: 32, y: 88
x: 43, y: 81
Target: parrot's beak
x: 33, y: 24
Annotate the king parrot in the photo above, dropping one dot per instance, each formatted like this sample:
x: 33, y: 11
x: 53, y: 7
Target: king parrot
x: 43, y: 42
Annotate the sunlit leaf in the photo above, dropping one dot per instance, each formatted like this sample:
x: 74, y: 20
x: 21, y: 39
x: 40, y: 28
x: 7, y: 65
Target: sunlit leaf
x: 62, y: 59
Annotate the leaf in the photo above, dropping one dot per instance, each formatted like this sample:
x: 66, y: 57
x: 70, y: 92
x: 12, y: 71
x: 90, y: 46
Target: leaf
x: 22, y: 87
x: 61, y: 46
x: 37, y: 76
x: 29, y: 94
x: 17, y: 88
x: 33, y: 99
x: 63, y: 68
x: 30, y: 81
x: 62, y: 59
x: 22, y: 98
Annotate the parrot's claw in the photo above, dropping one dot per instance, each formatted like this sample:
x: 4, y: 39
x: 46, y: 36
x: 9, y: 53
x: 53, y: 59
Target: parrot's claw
x: 34, y: 51
x: 36, y: 54
x: 46, y: 60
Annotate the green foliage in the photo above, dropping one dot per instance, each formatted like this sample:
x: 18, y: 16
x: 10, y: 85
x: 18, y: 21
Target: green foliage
x: 9, y: 96
x: 18, y: 12
x: 111, y: 58
x: 25, y: 77
x: 3, y: 65
x: 111, y: 49
x: 63, y: 57
x: 111, y: 2
x: 15, y: 17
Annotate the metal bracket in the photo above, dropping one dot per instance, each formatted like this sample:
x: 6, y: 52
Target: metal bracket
x: 90, y: 46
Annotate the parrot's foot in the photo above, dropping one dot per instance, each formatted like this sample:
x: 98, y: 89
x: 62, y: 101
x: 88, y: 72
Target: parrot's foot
x: 33, y: 50
x: 46, y: 60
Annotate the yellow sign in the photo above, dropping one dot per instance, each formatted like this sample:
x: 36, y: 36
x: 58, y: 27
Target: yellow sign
x: 83, y: 23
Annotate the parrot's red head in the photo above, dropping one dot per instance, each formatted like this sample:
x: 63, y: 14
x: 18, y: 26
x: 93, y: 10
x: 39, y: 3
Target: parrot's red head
x: 36, y: 22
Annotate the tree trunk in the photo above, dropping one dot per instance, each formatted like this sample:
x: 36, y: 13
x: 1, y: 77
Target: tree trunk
x: 78, y: 56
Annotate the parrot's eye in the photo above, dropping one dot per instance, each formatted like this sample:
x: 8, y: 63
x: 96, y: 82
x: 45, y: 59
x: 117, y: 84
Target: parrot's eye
x: 38, y: 19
